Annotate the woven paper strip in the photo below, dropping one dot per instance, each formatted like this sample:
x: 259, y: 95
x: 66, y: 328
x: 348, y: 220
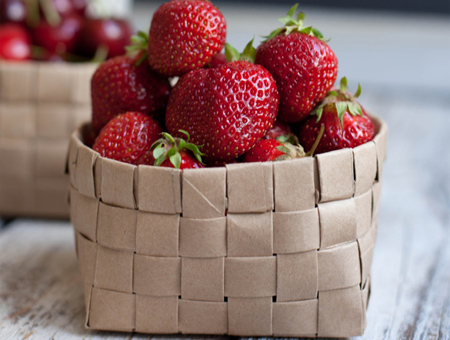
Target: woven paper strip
x: 40, y: 105
x: 259, y: 269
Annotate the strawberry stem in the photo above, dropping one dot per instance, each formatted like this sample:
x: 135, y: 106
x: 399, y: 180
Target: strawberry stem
x: 294, y: 24
x: 138, y: 47
x: 249, y: 53
x: 170, y: 148
x: 316, y: 143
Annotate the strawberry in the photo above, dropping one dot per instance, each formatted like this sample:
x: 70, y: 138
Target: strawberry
x: 303, y: 65
x: 282, y: 132
x: 226, y: 109
x: 217, y: 60
x: 220, y: 163
x: 184, y: 36
x: 124, y: 84
x: 173, y: 153
x: 273, y: 150
x: 127, y: 137
x: 345, y: 121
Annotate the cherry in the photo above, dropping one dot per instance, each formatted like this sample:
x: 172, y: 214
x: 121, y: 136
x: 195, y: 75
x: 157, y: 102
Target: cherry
x: 14, y: 42
x: 13, y: 11
x: 58, y: 39
x: 113, y: 34
x: 79, y: 6
x: 63, y: 7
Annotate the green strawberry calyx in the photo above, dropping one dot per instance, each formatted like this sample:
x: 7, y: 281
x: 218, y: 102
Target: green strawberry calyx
x: 295, y: 150
x: 290, y: 138
x: 294, y: 23
x: 341, y: 101
x: 290, y: 151
x: 138, y: 47
x: 169, y: 147
x: 249, y: 53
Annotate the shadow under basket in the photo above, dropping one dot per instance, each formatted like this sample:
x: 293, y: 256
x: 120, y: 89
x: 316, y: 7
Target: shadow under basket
x: 40, y: 106
x: 250, y: 249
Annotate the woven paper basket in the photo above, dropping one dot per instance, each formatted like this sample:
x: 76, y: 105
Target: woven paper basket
x: 40, y: 105
x: 251, y: 249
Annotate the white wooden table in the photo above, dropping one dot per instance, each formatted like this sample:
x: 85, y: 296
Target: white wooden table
x: 41, y: 293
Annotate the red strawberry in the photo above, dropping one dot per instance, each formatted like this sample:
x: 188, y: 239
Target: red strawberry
x: 277, y: 130
x: 220, y: 163
x: 345, y: 121
x: 121, y: 84
x: 184, y: 36
x: 173, y: 153
x: 273, y: 150
x: 303, y: 65
x: 282, y: 132
x: 218, y: 60
x: 280, y: 149
x: 127, y: 137
x: 14, y: 42
x: 226, y: 109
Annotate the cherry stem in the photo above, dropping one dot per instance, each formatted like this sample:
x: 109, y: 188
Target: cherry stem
x: 51, y: 14
x: 33, y: 16
x: 316, y: 143
x: 101, y: 54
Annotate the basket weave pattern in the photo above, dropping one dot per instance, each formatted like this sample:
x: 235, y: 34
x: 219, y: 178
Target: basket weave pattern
x: 264, y: 249
x: 40, y: 105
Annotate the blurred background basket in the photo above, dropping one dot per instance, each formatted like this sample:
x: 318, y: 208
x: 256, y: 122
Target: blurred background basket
x: 40, y: 105
x: 250, y: 249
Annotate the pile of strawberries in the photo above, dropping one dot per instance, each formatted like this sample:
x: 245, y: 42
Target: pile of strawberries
x: 59, y: 30
x: 271, y: 103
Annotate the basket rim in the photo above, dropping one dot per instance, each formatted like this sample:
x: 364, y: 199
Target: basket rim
x: 35, y: 64
x: 379, y: 125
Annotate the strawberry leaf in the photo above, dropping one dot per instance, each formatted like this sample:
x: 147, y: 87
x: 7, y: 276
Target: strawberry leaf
x: 332, y: 93
x: 283, y: 149
x: 343, y: 85
x: 358, y: 91
x: 138, y: 47
x: 317, y: 33
x: 231, y: 53
x: 168, y: 137
x: 306, y: 30
x: 291, y: 12
x: 181, y: 144
x: 341, y: 108
x: 186, y: 133
x: 290, y: 29
x: 352, y: 108
x: 294, y: 24
x: 175, y: 159
x: 249, y: 53
x: 172, y: 151
x: 158, y: 151
x: 283, y: 138
x: 319, y: 112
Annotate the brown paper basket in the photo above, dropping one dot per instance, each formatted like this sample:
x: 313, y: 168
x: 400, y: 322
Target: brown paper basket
x: 256, y: 249
x: 40, y: 105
